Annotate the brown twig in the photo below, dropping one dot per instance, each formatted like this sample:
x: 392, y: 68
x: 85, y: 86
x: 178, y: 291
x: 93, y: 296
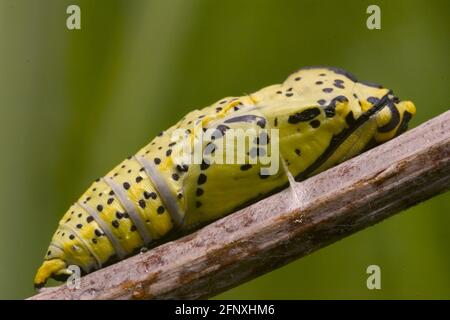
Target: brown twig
x: 283, y: 227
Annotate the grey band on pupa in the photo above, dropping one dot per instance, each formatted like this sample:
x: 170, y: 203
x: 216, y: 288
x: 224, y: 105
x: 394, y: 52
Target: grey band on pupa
x: 163, y: 189
x: 130, y: 208
x: 120, y: 251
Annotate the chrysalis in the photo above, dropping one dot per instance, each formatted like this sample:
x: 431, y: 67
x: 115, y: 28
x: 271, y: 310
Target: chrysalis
x: 318, y: 117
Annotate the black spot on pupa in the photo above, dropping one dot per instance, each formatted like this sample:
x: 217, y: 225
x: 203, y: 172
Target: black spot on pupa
x: 79, y: 215
x: 279, y: 92
x: 220, y: 131
x: 115, y: 223
x: 94, y: 241
x: 175, y: 176
x: 71, y: 237
x: 305, y: 115
x: 111, y: 193
x: 119, y: 215
x: 138, y: 179
x: 157, y: 160
x: 327, y: 90
x: 126, y: 185
x: 198, y: 204
x: 182, y: 168
x: 110, y: 200
x: 204, y: 165
x: 373, y: 100
x: 160, y: 210
x: 315, y: 124
x: 319, y: 82
x: 298, y: 78
x: 261, y: 123
x: 201, y: 179
x: 133, y: 228
x: 168, y: 152
x: 245, y: 167
x: 199, y: 192
x: 172, y: 144
x: 79, y: 226
x: 89, y: 219
x: 289, y: 94
x: 99, y: 208
x: 339, y: 98
x: 148, y: 195
x: 298, y: 152
x: 142, y: 203
x: 275, y: 122
x: 98, y: 233
x: 339, y: 85
x: 321, y: 102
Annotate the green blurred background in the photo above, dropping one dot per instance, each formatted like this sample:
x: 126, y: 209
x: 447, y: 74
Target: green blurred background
x: 75, y: 103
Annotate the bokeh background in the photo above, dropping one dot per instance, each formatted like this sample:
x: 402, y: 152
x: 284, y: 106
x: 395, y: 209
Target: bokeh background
x: 75, y: 103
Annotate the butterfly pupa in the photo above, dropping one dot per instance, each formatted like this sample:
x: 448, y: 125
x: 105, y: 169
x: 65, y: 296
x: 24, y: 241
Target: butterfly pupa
x: 321, y: 116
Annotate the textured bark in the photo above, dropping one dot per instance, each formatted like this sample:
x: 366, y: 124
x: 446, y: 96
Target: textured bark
x: 283, y: 227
